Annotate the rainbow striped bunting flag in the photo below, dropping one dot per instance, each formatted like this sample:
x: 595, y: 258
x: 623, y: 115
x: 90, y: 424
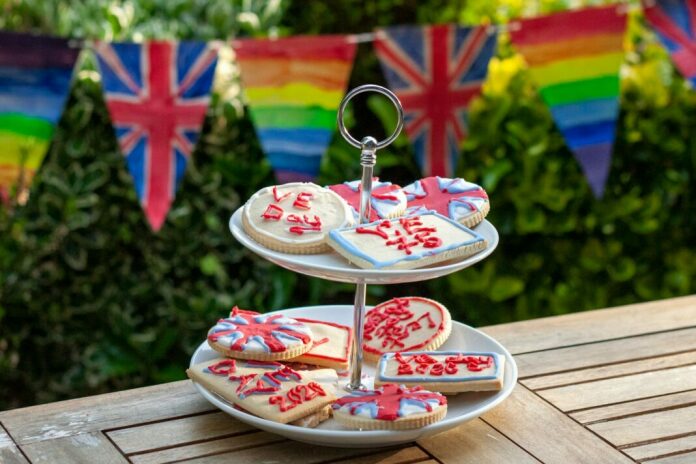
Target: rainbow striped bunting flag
x: 293, y: 87
x: 574, y: 58
x: 674, y: 21
x: 35, y: 74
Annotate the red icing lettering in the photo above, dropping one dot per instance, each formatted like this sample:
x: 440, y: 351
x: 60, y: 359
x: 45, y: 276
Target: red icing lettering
x: 224, y: 367
x: 425, y: 363
x: 293, y: 218
x: 321, y: 342
x: 273, y: 213
x: 302, y: 200
x: 308, y: 225
x: 415, y: 234
x: 278, y: 198
x: 297, y: 395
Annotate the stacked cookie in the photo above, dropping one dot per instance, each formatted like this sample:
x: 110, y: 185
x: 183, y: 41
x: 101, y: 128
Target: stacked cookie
x: 424, y: 223
x: 276, y: 367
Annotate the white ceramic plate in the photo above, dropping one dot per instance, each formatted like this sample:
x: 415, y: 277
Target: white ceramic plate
x: 333, y: 266
x: 460, y: 408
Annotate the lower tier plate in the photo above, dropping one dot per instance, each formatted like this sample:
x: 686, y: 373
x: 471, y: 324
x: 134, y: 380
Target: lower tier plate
x: 460, y: 408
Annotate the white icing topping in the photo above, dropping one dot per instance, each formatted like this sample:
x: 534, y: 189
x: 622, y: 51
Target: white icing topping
x: 326, y: 206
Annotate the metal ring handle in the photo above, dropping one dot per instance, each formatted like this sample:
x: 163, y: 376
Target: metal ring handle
x: 371, y: 88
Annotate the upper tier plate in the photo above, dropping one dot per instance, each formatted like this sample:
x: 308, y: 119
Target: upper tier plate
x: 332, y: 266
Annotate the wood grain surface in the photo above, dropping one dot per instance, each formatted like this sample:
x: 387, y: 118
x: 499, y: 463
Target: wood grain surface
x: 606, y: 386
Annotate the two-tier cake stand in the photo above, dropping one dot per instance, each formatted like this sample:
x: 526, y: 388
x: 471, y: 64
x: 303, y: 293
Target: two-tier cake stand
x: 331, y: 266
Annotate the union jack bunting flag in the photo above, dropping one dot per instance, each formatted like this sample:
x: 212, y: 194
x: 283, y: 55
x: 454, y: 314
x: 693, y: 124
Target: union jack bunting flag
x: 674, y: 21
x: 435, y: 71
x: 157, y: 94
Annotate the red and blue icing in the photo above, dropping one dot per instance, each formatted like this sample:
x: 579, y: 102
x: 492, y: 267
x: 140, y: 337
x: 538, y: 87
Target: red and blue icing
x: 387, y: 199
x: 454, y: 198
x: 248, y: 330
x: 457, y: 366
x: 390, y: 402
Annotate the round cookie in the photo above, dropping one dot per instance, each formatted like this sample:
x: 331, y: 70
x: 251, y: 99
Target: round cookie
x: 457, y: 199
x: 261, y: 337
x: 388, y: 200
x: 391, y: 407
x: 295, y: 218
x: 405, y: 324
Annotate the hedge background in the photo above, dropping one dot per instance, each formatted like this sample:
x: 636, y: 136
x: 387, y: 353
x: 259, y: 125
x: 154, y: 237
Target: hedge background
x: 92, y: 301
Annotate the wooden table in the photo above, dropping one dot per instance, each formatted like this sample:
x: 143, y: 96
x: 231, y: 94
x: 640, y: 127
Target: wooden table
x: 608, y: 386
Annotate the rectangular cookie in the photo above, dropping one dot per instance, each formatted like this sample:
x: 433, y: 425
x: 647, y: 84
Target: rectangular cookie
x: 406, y: 242
x: 443, y: 371
x: 331, y: 344
x: 282, y: 395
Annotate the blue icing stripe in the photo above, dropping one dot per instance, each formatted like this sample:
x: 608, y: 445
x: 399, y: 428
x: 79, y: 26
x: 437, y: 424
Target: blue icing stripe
x: 352, y: 249
x: 370, y: 406
x: 414, y: 402
x: 381, y: 368
x: 280, y: 335
x: 234, y: 336
x: 237, y: 320
x: 259, y: 340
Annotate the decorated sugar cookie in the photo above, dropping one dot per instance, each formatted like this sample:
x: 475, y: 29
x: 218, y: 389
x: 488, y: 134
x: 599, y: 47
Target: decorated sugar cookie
x: 461, y: 201
x: 282, y: 395
x: 443, y: 371
x: 295, y: 217
x: 388, y: 200
x: 406, y: 242
x: 331, y: 346
x: 262, y: 337
x: 391, y: 407
x: 405, y: 324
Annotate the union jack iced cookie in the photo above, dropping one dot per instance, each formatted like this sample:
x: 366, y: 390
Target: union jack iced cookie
x: 387, y: 201
x: 390, y: 407
x: 262, y: 337
x: 457, y: 199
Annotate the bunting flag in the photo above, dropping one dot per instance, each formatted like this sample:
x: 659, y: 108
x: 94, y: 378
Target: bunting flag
x: 674, y: 21
x: 575, y: 57
x: 435, y: 71
x: 293, y: 87
x: 35, y: 75
x: 157, y: 94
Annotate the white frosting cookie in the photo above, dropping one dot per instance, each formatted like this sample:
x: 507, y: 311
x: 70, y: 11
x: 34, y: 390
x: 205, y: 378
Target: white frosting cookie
x: 443, y: 371
x: 406, y: 242
x: 283, y: 395
x: 405, y: 324
x: 295, y: 218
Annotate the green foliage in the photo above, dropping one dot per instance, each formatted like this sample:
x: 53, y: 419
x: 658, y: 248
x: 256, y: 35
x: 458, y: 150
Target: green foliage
x: 92, y: 301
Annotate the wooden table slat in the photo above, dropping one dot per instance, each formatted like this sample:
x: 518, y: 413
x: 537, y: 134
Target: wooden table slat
x: 620, y: 389
x: 79, y: 448
x: 612, y: 370
x: 9, y: 453
x: 544, y: 431
x: 632, y: 408
x: 206, y: 448
x: 606, y: 352
x: 686, y: 458
x: 662, y: 448
x: 592, y: 326
x: 177, y: 432
x: 475, y: 442
x: 648, y: 427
